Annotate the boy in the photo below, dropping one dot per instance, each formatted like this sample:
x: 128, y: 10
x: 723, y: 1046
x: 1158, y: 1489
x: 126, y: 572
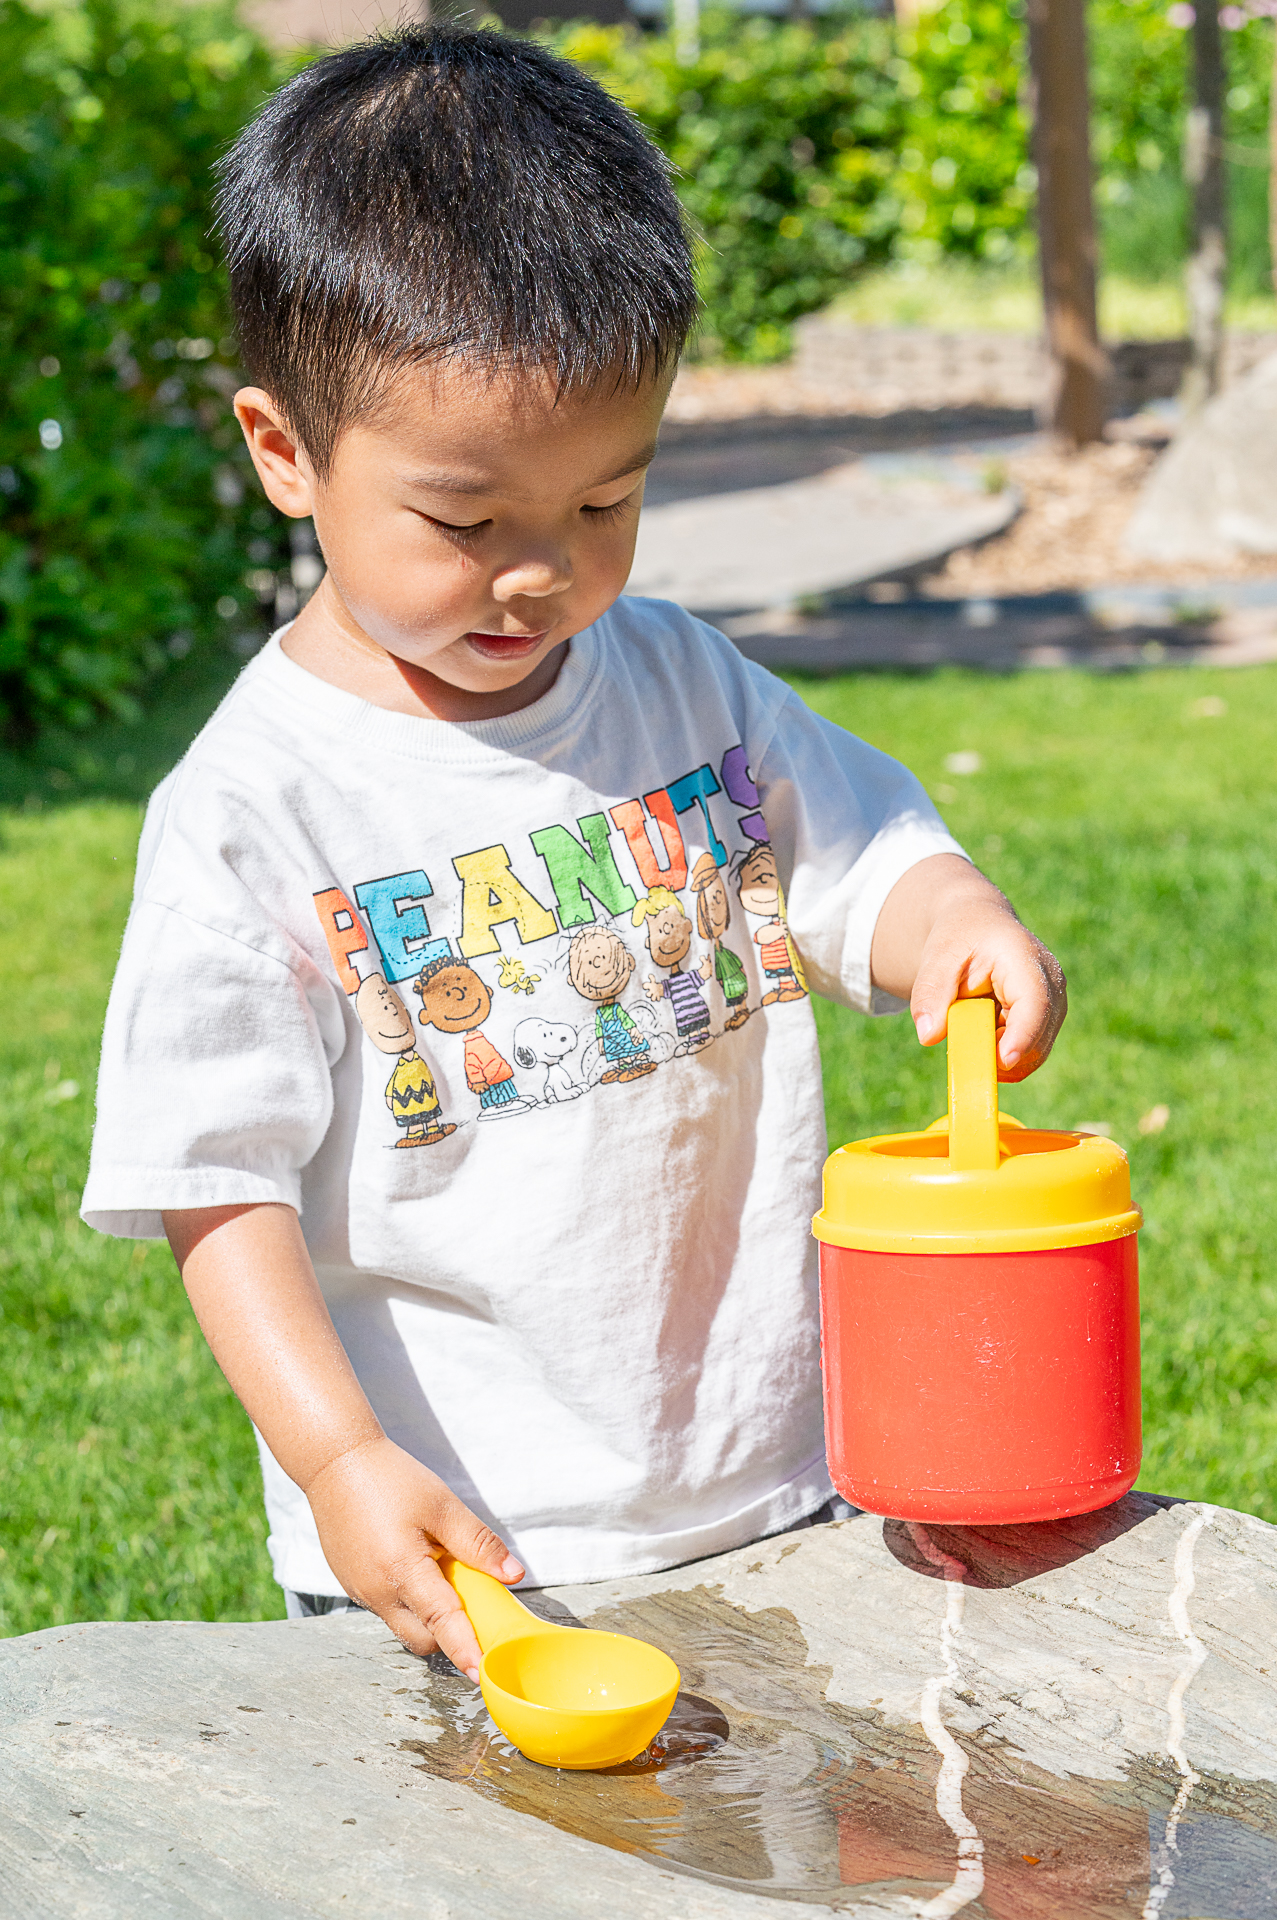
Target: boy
x: 588, y: 1340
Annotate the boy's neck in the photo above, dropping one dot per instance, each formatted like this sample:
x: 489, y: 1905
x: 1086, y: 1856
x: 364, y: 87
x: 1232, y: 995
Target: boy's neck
x: 326, y: 640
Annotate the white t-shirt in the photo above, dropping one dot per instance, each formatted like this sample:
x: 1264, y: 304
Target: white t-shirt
x: 563, y: 1229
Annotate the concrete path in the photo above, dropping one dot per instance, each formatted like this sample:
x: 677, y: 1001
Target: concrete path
x: 748, y: 520
x: 1025, y: 1723
x: 767, y: 546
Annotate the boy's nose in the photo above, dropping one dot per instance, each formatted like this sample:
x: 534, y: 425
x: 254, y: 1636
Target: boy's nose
x: 534, y: 576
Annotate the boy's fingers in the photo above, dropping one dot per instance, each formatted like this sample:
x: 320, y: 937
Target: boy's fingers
x: 428, y: 1614
x: 938, y: 985
x: 1030, y: 990
x: 1035, y: 998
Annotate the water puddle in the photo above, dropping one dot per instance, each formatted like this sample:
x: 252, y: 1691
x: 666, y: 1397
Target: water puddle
x: 759, y: 1783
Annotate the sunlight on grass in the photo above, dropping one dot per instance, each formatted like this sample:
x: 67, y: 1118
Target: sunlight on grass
x: 1134, y: 822
x: 957, y: 298
x: 130, y: 1476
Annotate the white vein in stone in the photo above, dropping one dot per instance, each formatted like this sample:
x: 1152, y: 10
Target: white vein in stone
x: 1177, y: 1607
x: 968, y: 1881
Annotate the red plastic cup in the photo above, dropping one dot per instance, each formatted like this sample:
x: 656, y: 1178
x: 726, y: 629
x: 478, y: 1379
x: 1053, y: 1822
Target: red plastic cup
x: 982, y: 1387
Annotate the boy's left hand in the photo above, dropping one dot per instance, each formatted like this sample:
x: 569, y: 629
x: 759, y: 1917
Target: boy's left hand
x: 945, y: 933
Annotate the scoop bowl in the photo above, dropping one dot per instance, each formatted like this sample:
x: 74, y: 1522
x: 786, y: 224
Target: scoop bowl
x: 565, y: 1696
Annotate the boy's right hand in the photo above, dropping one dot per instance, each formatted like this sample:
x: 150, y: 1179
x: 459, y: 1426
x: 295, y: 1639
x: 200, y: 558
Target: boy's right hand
x: 382, y: 1519
x: 382, y: 1516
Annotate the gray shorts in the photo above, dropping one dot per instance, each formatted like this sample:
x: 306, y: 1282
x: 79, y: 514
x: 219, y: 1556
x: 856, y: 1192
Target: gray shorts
x: 307, y: 1606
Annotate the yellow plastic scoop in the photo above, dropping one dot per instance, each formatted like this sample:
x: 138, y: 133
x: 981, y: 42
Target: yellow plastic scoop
x: 566, y: 1696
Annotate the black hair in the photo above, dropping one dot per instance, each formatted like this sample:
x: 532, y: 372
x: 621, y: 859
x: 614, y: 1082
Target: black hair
x: 442, y: 963
x: 443, y: 193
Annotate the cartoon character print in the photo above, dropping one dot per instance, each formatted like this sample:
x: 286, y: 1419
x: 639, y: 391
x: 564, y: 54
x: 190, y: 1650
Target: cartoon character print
x: 599, y: 967
x: 410, y: 1092
x: 455, y: 1000
x: 713, y: 917
x: 759, y: 890
x: 542, y: 1043
x: 513, y: 974
x: 669, y: 940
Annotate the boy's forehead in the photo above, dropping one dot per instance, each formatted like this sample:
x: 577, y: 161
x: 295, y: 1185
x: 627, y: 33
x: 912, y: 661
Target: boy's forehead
x: 468, y: 432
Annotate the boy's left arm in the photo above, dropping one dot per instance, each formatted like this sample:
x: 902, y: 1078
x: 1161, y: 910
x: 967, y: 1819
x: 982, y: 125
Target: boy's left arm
x: 945, y: 933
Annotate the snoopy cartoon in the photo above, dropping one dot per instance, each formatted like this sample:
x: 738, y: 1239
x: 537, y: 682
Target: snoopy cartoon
x: 539, y: 1043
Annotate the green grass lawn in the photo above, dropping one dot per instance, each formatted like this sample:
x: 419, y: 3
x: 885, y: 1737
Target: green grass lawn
x: 957, y: 297
x: 1136, y: 832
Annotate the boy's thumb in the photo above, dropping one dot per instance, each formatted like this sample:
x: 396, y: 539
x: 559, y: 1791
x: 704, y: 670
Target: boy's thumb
x: 468, y: 1540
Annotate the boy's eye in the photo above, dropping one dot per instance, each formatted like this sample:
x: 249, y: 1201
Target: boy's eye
x: 457, y: 532
x: 617, y: 511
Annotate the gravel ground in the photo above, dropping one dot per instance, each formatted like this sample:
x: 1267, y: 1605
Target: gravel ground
x: 1069, y: 535
x: 735, y: 393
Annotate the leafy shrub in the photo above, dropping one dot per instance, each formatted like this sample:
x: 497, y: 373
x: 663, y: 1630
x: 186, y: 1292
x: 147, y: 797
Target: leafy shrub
x: 805, y: 151
x: 1140, y: 88
x: 131, y: 528
x: 127, y: 500
x: 808, y: 151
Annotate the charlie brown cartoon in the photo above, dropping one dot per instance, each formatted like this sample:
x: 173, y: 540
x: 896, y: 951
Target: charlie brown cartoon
x: 410, y: 1092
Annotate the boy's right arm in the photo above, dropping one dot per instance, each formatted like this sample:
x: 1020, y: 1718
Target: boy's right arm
x: 382, y: 1516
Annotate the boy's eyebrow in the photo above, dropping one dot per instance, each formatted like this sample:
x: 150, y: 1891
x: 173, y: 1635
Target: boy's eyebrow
x: 455, y: 483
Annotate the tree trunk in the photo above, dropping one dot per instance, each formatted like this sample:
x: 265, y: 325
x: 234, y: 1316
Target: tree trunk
x: 1204, y: 172
x: 1272, y: 174
x: 1074, y: 407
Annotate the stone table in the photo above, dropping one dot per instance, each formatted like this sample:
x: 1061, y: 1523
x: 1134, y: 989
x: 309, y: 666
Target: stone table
x: 1022, y: 1723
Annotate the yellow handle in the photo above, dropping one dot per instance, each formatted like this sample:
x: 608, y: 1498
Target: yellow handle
x: 973, y: 1086
x: 492, y: 1609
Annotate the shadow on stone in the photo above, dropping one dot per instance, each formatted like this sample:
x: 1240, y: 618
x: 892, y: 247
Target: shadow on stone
x: 1006, y: 1556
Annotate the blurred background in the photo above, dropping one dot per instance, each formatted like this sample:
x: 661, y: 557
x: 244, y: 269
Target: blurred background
x: 987, y: 330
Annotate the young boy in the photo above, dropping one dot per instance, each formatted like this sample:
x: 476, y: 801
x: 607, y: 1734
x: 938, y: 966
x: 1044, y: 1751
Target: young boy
x: 583, y: 1342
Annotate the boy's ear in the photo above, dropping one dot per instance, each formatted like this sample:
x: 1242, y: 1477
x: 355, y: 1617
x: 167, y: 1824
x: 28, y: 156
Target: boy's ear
x: 282, y: 466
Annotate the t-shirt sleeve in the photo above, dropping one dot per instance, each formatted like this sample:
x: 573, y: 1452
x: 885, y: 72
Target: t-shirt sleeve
x: 846, y: 821
x: 215, y: 1085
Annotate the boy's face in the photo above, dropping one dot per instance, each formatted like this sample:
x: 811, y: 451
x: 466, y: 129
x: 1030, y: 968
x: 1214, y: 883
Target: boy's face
x: 472, y: 525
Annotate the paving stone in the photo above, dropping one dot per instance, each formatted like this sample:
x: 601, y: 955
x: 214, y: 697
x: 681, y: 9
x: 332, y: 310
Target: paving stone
x: 767, y: 546
x: 1024, y: 1723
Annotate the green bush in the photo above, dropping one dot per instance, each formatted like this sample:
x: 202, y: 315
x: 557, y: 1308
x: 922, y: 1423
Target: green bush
x: 127, y: 500
x: 1140, y: 87
x: 805, y: 151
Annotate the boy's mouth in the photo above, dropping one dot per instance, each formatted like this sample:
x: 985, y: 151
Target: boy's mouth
x: 505, y: 646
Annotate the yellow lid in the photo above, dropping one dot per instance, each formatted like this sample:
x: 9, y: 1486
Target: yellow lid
x: 978, y: 1182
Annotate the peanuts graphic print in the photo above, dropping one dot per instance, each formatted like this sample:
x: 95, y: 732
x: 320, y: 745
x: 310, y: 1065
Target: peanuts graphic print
x: 618, y: 924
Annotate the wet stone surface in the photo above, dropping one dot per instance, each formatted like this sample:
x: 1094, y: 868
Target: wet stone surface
x: 875, y: 1719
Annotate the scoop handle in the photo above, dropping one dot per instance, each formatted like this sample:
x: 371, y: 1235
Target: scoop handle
x: 492, y: 1609
x: 973, y: 1086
